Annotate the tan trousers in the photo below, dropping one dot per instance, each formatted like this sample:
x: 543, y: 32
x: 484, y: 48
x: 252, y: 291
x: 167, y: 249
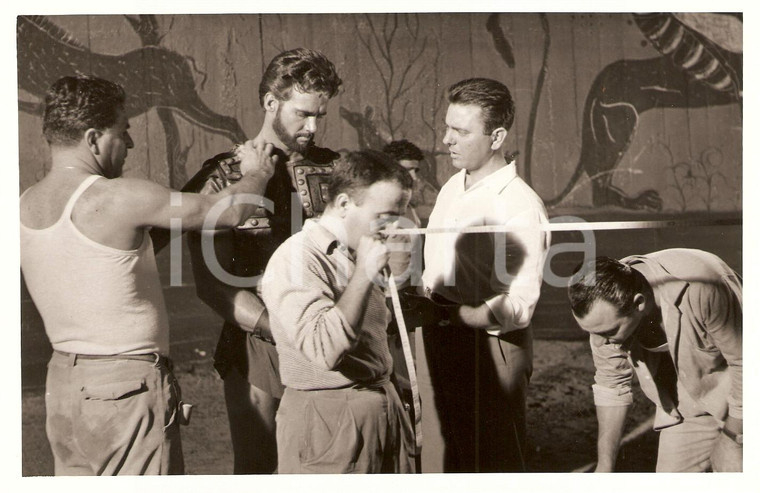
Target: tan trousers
x: 342, y: 431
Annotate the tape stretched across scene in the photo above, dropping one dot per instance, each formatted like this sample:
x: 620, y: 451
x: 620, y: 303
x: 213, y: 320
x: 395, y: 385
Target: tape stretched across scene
x: 571, y: 226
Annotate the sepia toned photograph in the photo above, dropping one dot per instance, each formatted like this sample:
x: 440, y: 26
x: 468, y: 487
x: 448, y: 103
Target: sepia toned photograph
x: 400, y: 243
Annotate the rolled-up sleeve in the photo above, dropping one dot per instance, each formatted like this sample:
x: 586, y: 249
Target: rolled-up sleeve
x: 614, y: 374
x: 721, y: 311
x: 518, y: 270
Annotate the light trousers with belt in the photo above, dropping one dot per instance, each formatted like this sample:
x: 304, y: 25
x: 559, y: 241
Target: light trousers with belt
x: 112, y: 416
x: 350, y: 430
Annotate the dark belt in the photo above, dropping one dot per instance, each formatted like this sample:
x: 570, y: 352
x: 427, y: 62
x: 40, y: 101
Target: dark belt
x: 445, y: 304
x: 440, y: 300
x: 379, y: 385
x: 155, y: 358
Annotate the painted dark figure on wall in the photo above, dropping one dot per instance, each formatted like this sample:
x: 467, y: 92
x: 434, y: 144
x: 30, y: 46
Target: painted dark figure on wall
x: 700, y: 66
x: 398, y: 76
x: 153, y: 76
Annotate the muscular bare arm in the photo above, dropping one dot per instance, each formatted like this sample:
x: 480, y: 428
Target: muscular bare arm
x: 146, y: 204
x: 119, y: 210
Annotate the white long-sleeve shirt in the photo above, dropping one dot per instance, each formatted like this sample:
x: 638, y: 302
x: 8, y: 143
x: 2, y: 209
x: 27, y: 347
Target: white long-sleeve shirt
x: 504, y: 270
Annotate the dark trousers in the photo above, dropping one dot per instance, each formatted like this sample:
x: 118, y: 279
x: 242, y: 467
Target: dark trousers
x: 473, y: 388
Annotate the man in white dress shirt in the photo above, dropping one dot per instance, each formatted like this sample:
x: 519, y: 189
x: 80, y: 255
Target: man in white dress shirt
x: 475, y: 364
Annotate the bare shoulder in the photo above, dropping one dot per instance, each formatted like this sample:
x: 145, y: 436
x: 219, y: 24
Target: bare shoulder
x: 42, y: 204
x: 113, y: 211
x: 119, y: 199
x: 38, y: 209
x: 135, y: 192
x: 135, y: 186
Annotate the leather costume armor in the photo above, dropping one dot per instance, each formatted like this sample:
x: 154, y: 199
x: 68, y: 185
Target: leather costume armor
x: 309, y: 176
x: 297, y: 191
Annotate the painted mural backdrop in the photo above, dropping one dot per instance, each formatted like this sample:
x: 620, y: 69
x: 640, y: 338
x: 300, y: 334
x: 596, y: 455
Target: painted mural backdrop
x: 614, y: 111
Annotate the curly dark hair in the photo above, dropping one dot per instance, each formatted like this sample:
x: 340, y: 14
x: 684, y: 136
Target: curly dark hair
x: 492, y: 96
x: 403, y: 149
x: 74, y: 104
x: 605, y: 279
x: 357, y: 171
x: 302, y: 68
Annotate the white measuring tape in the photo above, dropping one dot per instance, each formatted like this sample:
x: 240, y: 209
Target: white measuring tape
x: 409, y: 359
x: 572, y: 226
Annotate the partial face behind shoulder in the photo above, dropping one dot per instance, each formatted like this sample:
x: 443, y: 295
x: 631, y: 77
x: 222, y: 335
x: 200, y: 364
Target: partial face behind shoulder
x: 469, y: 145
x: 411, y: 166
x: 381, y: 206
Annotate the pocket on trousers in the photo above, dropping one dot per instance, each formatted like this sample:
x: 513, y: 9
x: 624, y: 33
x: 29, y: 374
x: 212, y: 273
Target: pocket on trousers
x: 107, y: 415
x: 331, y: 442
x: 111, y: 391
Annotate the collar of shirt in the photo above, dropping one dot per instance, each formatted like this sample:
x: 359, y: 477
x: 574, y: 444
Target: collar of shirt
x: 496, y: 181
x: 667, y: 288
x: 328, y: 233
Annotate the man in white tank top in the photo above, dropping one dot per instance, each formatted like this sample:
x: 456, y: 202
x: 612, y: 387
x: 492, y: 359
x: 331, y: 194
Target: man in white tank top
x: 113, y: 405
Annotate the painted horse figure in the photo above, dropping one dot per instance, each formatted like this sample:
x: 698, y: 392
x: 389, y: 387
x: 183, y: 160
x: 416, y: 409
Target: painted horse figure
x: 153, y: 77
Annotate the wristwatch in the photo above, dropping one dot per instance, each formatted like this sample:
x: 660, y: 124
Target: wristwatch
x: 736, y: 437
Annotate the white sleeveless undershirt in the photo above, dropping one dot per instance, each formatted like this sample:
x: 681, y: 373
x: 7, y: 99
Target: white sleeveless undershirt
x: 94, y: 299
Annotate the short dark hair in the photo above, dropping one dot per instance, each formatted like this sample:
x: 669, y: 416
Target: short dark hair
x: 491, y: 96
x: 74, y: 104
x: 605, y: 279
x: 403, y: 149
x: 307, y: 70
x: 356, y: 171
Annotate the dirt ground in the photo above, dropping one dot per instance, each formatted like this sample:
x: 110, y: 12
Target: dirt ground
x: 561, y: 419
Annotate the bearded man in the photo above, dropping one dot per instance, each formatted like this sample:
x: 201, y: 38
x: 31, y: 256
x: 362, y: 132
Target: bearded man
x: 294, y: 93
